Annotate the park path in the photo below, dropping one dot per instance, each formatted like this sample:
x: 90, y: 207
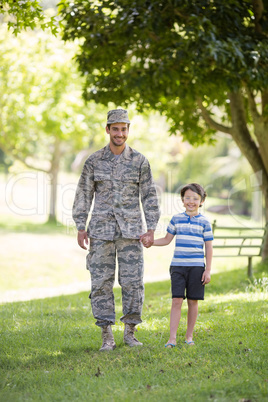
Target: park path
x: 42, y: 293
x: 38, y: 266
x: 73, y: 288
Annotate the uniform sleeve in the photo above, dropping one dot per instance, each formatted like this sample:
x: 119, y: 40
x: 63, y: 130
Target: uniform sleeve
x: 149, y: 197
x: 208, y: 235
x: 83, y: 197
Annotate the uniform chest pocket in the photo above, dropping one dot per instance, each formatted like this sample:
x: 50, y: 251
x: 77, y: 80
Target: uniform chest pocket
x: 131, y: 177
x: 102, y: 176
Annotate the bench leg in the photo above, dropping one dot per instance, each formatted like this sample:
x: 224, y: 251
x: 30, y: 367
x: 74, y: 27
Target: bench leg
x: 250, y: 273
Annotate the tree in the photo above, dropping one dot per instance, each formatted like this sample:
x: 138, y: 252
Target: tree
x: 23, y: 14
x: 42, y: 113
x: 201, y: 63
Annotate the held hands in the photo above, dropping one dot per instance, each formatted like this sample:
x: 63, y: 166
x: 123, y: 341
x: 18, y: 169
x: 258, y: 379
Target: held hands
x: 147, y: 239
x: 82, y: 239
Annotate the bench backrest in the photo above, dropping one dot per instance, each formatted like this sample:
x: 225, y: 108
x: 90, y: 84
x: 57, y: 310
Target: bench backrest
x: 238, y: 241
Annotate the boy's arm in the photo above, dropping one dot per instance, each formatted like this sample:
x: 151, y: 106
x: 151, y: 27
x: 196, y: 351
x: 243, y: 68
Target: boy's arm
x: 209, y: 252
x: 163, y: 241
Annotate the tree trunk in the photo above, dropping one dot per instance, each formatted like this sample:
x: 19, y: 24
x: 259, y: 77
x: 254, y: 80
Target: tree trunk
x: 251, y: 150
x: 54, y: 172
x: 265, y: 244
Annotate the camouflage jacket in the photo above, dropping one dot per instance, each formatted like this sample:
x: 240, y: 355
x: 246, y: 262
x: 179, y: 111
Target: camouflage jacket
x: 118, y: 186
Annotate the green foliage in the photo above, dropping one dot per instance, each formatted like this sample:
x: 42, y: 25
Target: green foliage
x: 166, y: 55
x: 41, y: 100
x: 219, y: 173
x: 42, y: 113
x: 49, y: 349
x: 5, y: 161
x: 259, y: 285
x: 23, y: 14
x: 149, y: 135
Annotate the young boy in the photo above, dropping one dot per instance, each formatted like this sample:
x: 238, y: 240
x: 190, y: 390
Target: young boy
x: 188, y: 271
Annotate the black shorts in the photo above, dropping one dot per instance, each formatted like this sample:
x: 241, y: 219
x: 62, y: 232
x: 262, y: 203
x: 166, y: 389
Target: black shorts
x: 189, y: 279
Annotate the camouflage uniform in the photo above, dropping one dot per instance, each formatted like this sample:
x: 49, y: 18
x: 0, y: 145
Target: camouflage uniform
x: 118, y: 185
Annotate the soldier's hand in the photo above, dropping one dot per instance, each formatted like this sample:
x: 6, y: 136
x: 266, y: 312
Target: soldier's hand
x: 147, y: 238
x: 143, y: 240
x: 82, y: 239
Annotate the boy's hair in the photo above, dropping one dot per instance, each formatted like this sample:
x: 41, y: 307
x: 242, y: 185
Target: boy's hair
x: 196, y: 188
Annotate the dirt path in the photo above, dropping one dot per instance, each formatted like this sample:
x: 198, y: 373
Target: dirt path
x: 42, y: 293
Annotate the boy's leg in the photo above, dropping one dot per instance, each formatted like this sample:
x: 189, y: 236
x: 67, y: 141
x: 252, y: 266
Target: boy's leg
x: 175, y: 316
x: 191, y: 318
x: 195, y: 292
x: 178, y: 283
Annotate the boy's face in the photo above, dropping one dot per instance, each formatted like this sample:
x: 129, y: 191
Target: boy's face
x: 191, y: 202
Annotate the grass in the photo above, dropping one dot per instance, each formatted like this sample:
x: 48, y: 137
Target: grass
x: 49, y: 348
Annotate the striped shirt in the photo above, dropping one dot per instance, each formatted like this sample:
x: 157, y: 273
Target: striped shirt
x: 191, y: 234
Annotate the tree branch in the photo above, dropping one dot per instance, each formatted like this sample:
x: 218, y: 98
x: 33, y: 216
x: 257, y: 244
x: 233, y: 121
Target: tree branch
x: 211, y: 122
x: 20, y: 159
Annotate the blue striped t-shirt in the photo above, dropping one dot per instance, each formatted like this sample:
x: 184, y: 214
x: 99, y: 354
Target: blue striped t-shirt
x: 191, y: 234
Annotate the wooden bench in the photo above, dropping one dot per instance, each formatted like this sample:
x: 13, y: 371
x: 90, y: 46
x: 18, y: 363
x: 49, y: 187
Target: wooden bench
x: 239, y: 242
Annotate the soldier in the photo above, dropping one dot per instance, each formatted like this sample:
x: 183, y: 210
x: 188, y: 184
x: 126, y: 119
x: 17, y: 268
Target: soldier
x: 118, y: 177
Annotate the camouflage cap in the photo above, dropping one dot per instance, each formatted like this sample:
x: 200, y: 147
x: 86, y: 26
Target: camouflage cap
x: 117, y: 116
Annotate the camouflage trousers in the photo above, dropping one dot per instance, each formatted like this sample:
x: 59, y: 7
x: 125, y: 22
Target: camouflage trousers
x: 101, y: 262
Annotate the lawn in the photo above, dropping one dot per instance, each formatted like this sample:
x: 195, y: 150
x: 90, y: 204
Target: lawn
x: 49, y: 348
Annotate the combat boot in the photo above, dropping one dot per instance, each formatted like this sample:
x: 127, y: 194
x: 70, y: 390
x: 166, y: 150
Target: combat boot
x: 108, y: 342
x: 129, y: 338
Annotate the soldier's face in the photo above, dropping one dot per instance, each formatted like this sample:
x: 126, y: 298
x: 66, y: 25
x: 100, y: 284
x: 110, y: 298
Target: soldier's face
x: 118, y: 133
